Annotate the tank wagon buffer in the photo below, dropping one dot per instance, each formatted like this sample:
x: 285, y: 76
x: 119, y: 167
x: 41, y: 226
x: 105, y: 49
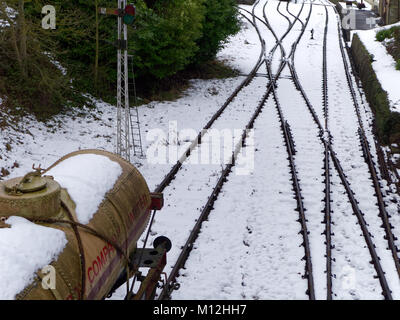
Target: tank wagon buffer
x: 87, y: 212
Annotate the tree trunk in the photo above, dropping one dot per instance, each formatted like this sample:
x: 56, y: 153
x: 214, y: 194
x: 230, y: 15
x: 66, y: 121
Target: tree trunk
x: 96, y: 63
x: 22, y: 28
x: 13, y: 35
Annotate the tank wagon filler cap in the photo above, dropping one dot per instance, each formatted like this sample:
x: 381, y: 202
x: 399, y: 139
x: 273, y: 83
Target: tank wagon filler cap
x: 30, y: 196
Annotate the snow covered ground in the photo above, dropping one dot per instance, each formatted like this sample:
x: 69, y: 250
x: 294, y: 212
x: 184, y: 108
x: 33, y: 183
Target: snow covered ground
x: 210, y: 271
x: 347, y: 145
x: 250, y: 247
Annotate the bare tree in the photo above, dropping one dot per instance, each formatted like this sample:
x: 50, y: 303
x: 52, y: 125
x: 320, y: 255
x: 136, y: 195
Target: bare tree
x: 17, y: 29
x: 96, y: 63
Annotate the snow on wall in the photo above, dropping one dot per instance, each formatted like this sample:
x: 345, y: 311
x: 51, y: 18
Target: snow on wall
x: 87, y: 178
x: 384, y: 65
x: 24, y: 249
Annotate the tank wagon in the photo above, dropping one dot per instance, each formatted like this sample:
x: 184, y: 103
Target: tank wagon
x: 81, y: 219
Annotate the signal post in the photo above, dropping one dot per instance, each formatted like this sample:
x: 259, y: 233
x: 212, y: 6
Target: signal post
x: 126, y: 16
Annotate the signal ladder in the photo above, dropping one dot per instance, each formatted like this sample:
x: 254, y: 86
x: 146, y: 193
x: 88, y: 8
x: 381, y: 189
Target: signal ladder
x: 134, y: 118
x: 128, y: 124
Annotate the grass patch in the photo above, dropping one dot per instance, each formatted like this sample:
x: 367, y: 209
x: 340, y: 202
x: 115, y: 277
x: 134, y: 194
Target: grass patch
x: 172, y: 88
x: 211, y: 70
x: 393, y: 45
x: 385, y: 34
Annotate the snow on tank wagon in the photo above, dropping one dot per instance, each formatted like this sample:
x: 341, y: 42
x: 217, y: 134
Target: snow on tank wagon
x: 81, y: 218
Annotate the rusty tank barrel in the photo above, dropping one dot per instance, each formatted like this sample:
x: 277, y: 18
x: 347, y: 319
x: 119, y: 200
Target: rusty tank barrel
x: 99, y: 201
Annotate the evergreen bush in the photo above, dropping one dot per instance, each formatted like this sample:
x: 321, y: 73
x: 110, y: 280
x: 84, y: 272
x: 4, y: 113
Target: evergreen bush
x: 168, y: 36
x: 221, y: 21
x: 164, y: 40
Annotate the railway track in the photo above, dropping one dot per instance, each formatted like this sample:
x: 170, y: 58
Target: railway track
x: 326, y: 166
x: 329, y: 155
x: 386, y: 166
x: 171, y: 281
x: 172, y: 173
x: 325, y: 137
x: 370, y: 162
x: 171, y: 284
x: 327, y: 169
x: 289, y: 142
